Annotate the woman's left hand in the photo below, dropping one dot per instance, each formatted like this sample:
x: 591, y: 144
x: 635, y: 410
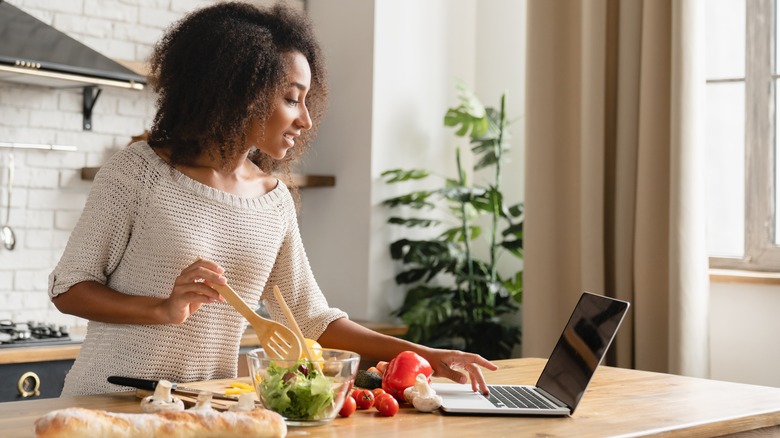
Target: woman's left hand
x: 460, y: 367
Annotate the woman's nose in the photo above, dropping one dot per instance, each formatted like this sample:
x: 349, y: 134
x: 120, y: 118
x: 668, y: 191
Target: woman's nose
x: 304, y: 119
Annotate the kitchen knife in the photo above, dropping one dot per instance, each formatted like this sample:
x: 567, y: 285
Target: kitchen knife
x: 149, y: 385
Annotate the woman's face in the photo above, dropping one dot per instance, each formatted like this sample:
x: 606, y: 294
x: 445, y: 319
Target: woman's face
x: 290, y: 116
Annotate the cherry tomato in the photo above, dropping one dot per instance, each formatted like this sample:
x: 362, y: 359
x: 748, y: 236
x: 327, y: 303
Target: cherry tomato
x: 353, y: 393
x: 348, y: 408
x: 378, y: 398
x: 377, y: 391
x: 387, y: 405
x: 364, y: 398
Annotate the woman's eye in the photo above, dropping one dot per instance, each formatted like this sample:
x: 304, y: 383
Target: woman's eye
x: 292, y: 102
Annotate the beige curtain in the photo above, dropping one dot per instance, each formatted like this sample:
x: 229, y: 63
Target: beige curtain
x: 614, y: 177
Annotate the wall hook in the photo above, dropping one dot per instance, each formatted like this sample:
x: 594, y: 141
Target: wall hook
x: 91, y: 94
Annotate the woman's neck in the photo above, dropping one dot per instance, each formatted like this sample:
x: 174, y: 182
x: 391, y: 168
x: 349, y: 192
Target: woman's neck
x: 237, y: 175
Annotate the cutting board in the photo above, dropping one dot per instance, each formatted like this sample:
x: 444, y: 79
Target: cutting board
x: 217, y: 386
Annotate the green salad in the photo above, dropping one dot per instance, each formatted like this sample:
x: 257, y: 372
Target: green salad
x: 300, y: 392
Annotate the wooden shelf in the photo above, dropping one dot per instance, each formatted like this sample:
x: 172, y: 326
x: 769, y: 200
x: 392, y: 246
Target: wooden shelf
x: 300, y: 180
x: 303, y: 181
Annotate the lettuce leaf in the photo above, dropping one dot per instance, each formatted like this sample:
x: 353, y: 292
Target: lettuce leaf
x: 295, y: 394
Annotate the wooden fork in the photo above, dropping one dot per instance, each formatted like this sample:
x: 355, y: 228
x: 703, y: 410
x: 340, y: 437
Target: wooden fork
x: 293, y: 324
x: 279, y: 341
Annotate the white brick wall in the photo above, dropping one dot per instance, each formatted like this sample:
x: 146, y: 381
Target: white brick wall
x: 48, y: 193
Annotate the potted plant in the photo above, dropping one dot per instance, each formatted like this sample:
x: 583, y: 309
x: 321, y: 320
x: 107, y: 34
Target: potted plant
x: 456, y: 298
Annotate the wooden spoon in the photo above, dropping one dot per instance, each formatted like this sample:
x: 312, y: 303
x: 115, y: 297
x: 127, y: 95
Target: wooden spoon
x: 279, y: 341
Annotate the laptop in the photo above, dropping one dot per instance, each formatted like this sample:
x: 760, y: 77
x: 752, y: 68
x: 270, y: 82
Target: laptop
x: 579, y: 351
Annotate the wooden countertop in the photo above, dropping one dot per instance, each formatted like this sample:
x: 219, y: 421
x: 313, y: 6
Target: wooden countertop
x: 46, y: 353
x: 619, y: 402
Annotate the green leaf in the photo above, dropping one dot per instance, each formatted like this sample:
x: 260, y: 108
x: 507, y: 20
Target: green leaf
x: 470, y: 115
x: 400, y: 175
x: 461, y: 194
x: 455, y: 234
x: 414, y: 200
x: 425, y: 254
x: 469, y: 101
x: 512, y: 244
x: 487, y: 160
x: 514, y: 287
x: 411, y: 276
x: 424, y: 293
x: 488, y: 200
x: 413, y: 222
x: 514, y: 230
x: 516, y: 210
x: 424, y: 310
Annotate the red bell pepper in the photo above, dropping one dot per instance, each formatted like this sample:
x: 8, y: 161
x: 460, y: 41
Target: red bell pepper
x: 402, y: 371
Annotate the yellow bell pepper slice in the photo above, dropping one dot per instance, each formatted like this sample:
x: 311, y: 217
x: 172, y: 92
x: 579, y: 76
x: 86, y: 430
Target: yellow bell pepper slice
x: 314, y: 347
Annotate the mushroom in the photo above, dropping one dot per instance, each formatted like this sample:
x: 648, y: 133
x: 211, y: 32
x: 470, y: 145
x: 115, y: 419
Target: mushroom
x: 422, y: 396
x: 409, y: 394
x: 162, y: 400
x: 203, y: 403
x: 246, y: 403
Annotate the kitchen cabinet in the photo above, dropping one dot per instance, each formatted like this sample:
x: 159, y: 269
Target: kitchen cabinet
x: 33, y: 380
x: 28, y: 373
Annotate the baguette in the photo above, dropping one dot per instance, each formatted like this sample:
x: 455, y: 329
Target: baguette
x: 80, y: 422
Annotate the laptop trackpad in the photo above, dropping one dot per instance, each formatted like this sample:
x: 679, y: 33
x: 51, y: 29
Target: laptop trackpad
x: 456, y: 396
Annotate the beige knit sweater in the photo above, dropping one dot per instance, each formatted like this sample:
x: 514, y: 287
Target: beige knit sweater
x: 143, y: 223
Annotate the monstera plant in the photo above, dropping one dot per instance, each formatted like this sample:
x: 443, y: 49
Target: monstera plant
x: 455, y: 295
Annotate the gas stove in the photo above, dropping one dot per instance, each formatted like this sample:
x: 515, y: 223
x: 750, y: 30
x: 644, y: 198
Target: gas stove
x: 32, y: 333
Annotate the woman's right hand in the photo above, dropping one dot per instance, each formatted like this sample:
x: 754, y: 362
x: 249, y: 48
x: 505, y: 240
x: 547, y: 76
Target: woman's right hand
x: 191, y: 290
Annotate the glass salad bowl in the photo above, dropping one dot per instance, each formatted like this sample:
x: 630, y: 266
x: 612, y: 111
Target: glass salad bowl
x: 305, y: 393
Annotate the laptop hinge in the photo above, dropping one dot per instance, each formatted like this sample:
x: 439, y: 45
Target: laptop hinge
x: 552, y: 398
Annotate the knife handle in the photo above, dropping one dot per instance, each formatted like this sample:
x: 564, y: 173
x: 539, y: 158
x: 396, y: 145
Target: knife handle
x: 133, y: 382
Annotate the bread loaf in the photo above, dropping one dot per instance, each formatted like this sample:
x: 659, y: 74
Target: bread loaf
x: 79, y: 422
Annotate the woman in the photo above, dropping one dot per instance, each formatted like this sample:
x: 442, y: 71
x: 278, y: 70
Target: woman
x: 240, y: 91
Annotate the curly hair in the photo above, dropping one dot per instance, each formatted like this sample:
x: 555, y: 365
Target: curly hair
x: 222, y: 65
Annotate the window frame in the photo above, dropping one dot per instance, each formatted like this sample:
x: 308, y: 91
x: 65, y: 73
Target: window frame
x: 761, y: 253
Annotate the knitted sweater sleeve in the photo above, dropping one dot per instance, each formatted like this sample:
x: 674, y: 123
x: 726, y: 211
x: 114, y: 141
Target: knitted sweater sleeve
x: 293, y: 274
x: 100, y: 237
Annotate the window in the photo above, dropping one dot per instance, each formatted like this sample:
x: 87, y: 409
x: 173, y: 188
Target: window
x: 740, y: 134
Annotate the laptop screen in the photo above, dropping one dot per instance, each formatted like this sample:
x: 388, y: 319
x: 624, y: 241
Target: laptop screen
x: 581, y: 347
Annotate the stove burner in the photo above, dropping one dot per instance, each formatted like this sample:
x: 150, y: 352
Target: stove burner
x: 31, y: 332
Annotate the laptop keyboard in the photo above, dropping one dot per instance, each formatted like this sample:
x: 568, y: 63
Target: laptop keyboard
x: 516, y: 397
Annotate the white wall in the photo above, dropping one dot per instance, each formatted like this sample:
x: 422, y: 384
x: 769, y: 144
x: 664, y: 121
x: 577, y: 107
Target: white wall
x: 743, y: 333
x: 393, y: 67
x: 335, y: 221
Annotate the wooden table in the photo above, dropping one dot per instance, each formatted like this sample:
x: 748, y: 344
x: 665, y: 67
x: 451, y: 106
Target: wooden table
x: 619, y: 402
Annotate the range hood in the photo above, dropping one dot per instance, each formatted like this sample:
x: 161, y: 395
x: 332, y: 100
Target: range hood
x: 32, y: 52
